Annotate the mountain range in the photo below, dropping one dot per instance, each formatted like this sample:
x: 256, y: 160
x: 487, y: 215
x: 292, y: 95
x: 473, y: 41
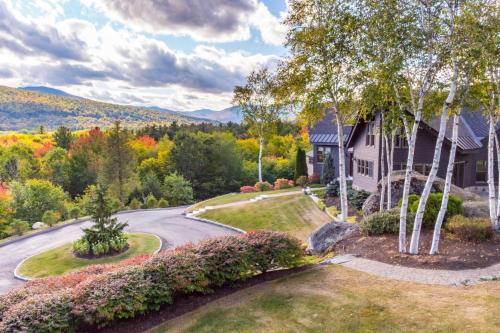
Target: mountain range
x: 29, y: 107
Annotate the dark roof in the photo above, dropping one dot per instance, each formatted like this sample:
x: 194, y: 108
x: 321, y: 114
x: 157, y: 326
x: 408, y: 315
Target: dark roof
x: 325, y: 131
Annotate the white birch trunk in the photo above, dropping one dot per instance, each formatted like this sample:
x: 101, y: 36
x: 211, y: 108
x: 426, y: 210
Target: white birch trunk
x: 497, y: 144
x: 342, y: 176
x: 261, y: 147
x: 447, y: 187
x: 390, y: 166
x: 382, y: 165
x: 417, y: 226
x: 491, y: 175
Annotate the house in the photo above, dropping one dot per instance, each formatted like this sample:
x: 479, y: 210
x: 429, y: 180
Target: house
x: 323, y: 136
x: 364, y: 151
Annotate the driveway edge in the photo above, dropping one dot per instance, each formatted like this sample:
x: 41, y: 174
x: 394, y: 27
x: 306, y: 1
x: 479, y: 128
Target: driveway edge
x: 216, y: 224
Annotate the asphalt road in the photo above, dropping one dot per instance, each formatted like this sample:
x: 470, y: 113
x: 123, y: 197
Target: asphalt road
x: 169, y: 224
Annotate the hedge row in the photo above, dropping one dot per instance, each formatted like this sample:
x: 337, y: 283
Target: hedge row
x: 99, y: 295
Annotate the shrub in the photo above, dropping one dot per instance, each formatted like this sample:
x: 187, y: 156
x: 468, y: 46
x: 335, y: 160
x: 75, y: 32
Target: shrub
x: 19, y: 227
x: 470, y: 229
x: 263, y: 186
x: 178, y: 191
x: 328, y: 171
x: 39, y: 313
x: 282, y: 183
x: 332, y: 189
x: 357, y: 198
x: 302, y: 181
x: 321, y: 205
x: 248, y: 189
x: 386, y: 222
x: 433, y: 205
x: 75, y: 212
x: 150, y: 202
x: 162, y: 203
x: 82, y: 247
x: 135, y: 204
x: 51, y: 217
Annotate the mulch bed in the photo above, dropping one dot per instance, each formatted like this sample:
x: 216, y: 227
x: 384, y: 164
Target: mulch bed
x: 187, y: 303
x: 453, y: 254
x: 335, y: 201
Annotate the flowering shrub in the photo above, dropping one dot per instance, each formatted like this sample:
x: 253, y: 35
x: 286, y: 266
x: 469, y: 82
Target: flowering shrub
x: 263, y: 186
x: 248, y: 189
x: 315, y: 178
x: 302, y: 181
x: 283, y: 183
x: 100, y: 294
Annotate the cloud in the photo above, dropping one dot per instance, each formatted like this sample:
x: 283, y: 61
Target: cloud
x: 6, y: 73
x: 68, y: 74
x: 30, y: 37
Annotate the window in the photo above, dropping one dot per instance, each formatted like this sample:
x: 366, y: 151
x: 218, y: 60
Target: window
x: 423, y: 168
x: 370, y: 136
x: 481, y: 171
x: 365, y: 168
x: 321, y: 152
x: 400, y: 141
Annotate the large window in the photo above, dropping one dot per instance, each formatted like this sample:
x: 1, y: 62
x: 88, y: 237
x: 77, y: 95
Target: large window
x: 400, y: 141
x: 322, y: 152
x: 365, y: 167
x: 481, y: 171
x: 370, y: 136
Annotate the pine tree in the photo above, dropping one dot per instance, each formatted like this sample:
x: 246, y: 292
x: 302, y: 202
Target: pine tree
x: 328, y: 173
x: 63, y: 137
x: 300, y: 164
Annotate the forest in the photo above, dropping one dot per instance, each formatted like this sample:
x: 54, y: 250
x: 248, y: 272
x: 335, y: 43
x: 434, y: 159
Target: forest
x: 51, y: 176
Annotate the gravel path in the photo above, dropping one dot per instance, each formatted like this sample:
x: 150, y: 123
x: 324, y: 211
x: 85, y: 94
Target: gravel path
x: 169, y: 224
x: 419, y: 275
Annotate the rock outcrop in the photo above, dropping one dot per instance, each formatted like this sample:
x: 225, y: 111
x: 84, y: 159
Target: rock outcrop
x: 323, y: 238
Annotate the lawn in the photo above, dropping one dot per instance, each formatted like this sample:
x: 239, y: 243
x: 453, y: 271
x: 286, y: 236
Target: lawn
x: 234, y: 197
x: 61, y: 259
x: 294, y: 214
x: 338, y: 299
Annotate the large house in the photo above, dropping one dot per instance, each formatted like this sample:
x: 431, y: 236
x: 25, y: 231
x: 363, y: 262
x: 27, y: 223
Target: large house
x: 324, y: 138
x: 364, y: 158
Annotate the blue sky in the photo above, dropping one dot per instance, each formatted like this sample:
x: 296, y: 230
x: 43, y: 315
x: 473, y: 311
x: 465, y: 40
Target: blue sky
x: 178, y: 54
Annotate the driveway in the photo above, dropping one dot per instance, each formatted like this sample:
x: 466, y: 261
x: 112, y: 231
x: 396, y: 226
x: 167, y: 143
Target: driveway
x: 168, y: 224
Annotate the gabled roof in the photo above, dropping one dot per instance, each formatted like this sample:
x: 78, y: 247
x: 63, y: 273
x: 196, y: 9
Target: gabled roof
x: 325, y: 131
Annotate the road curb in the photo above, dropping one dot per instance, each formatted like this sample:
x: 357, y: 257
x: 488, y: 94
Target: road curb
x: 216, y: 224
x: 26, y: 279
x: 77, y: 221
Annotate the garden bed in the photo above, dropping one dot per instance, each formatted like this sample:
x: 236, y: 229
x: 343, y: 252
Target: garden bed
x: 454, y: 254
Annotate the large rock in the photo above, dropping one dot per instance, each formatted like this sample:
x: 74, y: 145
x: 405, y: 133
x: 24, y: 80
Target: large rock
x: 417, y: 185
x: 477, y: 209
x: 328, y: 235
x: 39, y: 225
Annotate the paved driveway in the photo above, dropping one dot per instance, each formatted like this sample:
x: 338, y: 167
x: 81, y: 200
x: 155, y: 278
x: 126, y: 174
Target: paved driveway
x: 169, y: 224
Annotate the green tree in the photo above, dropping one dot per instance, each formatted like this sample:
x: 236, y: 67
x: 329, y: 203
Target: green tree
x: 300, y: 163
x: 63, y: 137
x: 32, y: 199
x: 120, y: 160
x: 328, y: 172
x: 178, y: 191
x: 54, y: 166
x: 51, y: 217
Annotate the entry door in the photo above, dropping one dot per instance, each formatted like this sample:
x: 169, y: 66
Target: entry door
x: 458, y: 174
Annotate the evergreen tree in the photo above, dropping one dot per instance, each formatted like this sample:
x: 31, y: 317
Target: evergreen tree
x: 328, y: 173
x: 63, y: 137
x: 119, y: 164
x: 300, y: 164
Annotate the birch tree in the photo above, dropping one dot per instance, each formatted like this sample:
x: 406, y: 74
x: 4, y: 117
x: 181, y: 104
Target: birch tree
x: 321, y: 70
x: 258, y: 106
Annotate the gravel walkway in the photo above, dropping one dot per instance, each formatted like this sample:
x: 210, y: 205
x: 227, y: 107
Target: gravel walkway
x: 419, y: 275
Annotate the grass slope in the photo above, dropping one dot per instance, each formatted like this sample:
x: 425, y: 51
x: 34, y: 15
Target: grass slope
x: 294, y: 214
x: 337, y: 299
x: 61, y: 259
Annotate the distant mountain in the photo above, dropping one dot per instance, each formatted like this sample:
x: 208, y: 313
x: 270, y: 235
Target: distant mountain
x: 27, y: 109
x: 232, y: 114
x: 47, y: 90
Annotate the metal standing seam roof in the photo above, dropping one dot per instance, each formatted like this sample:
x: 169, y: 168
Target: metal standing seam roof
x: 325, y: 138
x: 467, y: 142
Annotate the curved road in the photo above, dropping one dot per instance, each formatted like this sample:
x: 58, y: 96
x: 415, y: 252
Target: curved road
x: 169, y: 224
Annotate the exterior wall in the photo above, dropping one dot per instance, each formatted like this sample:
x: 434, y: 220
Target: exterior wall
x: 318, y: 166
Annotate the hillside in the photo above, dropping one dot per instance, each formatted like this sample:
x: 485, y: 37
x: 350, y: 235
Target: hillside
x: 24, y: 109
x: 232, y: 114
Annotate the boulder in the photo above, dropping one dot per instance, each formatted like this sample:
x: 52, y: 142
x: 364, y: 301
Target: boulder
x: 39, y: 225
x: 323, y: 238
x: 477, y: 209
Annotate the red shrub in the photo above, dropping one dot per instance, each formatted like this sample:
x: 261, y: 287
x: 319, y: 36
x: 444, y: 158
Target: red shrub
x: 248, y: 189
x: 263, y: 186
x: 282, y: 183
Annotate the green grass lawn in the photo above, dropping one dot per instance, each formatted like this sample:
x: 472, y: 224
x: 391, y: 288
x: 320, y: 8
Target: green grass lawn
x: 61, y: 259
x: 295, y: 214
x: 234, y: 197
x: 338, y: 299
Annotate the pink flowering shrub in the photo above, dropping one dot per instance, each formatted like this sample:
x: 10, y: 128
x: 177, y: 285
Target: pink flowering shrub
x: 263, y: 186
x: 282, y: 183
x: 101, y: 294
x: 248, y: 189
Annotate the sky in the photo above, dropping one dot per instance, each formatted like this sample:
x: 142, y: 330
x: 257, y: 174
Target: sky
x: 177, y: 54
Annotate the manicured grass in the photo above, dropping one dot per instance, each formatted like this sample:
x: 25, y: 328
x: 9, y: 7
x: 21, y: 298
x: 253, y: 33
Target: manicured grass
x: 337, y: 299
x: 294, y: 214
x: 235, y: 197
x: 61, y: 259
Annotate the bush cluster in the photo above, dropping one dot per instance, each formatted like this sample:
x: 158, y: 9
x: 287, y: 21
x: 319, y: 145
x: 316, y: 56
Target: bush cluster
x: 302, y: 181
x: 455, y: 207
x: 248, y: 189
x: 282, y: 183
x: 263, y: 186
x: 101, y: 294
x: 470, y: 229
x: 386, y: 222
